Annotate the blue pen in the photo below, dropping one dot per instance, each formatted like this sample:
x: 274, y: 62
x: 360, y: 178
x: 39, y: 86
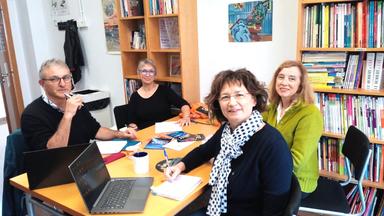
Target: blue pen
x: 166, y: 157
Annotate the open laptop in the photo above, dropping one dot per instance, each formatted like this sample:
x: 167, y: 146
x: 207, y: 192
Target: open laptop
x: 103, y: 194
x: 49, y: 167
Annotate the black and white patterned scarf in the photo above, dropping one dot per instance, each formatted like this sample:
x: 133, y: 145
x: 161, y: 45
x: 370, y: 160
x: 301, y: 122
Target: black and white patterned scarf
x: 231, y: 144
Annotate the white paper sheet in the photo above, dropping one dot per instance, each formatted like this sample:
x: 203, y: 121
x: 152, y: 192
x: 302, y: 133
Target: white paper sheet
x: 165, y: 127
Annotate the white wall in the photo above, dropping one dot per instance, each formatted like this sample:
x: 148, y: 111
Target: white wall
x: 262, y: 58
x: 37, y: 38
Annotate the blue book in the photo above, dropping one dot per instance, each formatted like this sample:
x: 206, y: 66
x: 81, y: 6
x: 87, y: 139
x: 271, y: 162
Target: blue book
x: 157, y: 143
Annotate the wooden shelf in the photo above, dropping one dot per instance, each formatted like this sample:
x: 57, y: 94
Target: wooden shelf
x: 352, y: 91
x: 339, y: 177
x: 131, y: 18
x: 341, y: 136
x: 165, y: 50
x: 162, y: 16
x: 134, y: 50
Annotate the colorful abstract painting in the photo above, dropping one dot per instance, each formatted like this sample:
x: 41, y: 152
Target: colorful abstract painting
x: 250, y: 21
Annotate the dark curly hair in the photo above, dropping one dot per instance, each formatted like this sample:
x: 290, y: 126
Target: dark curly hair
x: 237, y: 77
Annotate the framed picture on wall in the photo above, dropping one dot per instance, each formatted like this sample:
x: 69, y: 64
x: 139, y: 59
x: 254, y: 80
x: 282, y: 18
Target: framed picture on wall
x: 110, y: 26
x: 174, y: 65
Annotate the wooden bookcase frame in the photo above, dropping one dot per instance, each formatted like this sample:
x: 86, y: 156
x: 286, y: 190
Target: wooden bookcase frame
x: 300, y: 49
x: 188, y: 50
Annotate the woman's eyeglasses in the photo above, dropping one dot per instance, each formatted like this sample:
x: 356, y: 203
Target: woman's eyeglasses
x: 56, y: 79
x: 147, y: 72
x: 238, y: 97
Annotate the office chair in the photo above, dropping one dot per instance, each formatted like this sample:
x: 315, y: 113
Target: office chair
x: 13, y: 166
x: 329, y: 197
x: 294, y: 198
x: 121, y: 113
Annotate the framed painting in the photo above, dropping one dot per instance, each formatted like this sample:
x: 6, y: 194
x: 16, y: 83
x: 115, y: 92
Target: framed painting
x: 111, y: 28
x: 250, y: 21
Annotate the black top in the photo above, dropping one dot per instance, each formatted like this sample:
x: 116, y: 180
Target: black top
x: 260, y: 178
x: 145, y: 112
x: 39, y: 122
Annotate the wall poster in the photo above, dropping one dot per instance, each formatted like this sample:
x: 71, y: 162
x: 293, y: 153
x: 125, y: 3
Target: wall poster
x: 110, y: 26
x: 250, y: 21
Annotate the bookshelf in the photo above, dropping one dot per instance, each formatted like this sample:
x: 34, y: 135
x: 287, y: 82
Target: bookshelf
x: 314, y: 36
x: 181, y: 21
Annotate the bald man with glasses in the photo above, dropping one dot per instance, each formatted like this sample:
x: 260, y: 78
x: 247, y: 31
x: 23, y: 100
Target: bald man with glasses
x: 58, y: 118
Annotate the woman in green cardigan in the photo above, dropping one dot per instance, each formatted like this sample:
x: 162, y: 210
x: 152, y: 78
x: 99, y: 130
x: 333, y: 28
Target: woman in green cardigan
x: 293, y: 112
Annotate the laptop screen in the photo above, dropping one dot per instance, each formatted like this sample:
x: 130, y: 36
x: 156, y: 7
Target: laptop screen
x: 90, y: 174
x: 42, y: 174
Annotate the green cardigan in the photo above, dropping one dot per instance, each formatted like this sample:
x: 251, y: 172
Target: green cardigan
x: 301, y: 127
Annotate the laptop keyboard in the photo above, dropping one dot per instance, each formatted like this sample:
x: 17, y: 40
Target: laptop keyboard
x: 116, y: 194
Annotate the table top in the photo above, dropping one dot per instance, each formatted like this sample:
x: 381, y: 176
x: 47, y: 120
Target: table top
x: 68, y: 198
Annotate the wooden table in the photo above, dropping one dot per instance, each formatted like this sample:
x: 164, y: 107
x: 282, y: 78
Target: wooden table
x: 67, y: 197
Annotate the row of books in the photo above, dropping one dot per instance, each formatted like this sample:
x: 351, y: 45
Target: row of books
x: 331, y: 159
x: 370, y: 195
x: 325, y: 69
x: 138, y: 39
x: 357, y: 24
x: 158, y: 7
x: 329, y: 70
x: 340, y: 111
x: 131, y: 8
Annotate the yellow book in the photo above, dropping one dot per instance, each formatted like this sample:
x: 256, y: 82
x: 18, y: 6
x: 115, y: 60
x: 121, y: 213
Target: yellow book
x: 326, y: 27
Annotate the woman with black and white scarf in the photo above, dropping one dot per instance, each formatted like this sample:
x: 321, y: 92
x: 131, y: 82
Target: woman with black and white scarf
x: 251, y: 173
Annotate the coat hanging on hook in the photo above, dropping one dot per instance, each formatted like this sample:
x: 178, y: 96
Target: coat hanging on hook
x: 72, y: 48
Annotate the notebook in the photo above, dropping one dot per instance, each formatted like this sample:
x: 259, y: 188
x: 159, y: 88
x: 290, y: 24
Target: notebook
x: 178, y: 188
x: 49, y: 167
x: 103, y: 194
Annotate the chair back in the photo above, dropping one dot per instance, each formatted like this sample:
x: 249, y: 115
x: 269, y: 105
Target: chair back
x: 121, y: 113
x: 13, y: 166
x: 294, y: 197
x: 356, y: 149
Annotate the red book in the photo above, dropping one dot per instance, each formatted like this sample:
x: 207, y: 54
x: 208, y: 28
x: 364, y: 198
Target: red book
x: 364, y: 24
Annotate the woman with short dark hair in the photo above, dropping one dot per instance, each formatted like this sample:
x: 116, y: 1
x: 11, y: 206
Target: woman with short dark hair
x: 252, y: 170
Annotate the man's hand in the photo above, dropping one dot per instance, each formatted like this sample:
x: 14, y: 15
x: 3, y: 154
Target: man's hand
x: 129, y: 133
x: 73, y: 104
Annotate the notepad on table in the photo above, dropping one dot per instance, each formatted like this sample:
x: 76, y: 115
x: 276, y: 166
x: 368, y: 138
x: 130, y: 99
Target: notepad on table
x: 116, y: 145
x: 179, y: 188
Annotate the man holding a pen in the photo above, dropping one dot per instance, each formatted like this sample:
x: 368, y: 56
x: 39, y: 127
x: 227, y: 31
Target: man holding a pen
x: 58, y: 118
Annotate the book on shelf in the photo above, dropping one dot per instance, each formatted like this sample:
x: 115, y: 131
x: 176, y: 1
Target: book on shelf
x: 169, y: 33
x: 174, y: 65
x: 378, y: 72
x: 131, y: 8
x: 138, y: 40
x: 131, y: 85
x: 158, y: 7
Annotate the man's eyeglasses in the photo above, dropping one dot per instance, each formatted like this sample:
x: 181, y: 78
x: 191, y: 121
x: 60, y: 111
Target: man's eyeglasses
x: 238, y: 97
x: 147, y: 72
x: 56, y: 79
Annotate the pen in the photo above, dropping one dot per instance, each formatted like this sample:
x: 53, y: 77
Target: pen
x: 199, y: 122
x: 166, y: 157
x: 68, y: 95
